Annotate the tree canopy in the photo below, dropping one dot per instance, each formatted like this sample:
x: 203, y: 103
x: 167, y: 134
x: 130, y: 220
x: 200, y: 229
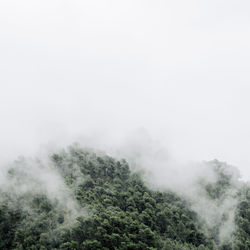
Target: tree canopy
x: 119, y: 211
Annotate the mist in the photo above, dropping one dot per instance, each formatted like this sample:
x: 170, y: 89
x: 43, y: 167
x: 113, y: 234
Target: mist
x: 27, y: 178
x: 161, y: 171
x: 177, y: 69
x: 163, y: 84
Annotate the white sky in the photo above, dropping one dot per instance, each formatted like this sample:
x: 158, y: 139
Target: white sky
x: 179, y: 69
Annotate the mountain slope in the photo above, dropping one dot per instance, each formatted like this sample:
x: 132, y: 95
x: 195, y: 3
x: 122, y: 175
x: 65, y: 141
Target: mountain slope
x: 105, y: 206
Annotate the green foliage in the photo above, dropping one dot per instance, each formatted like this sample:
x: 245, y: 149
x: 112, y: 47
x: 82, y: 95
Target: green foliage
x: 243, y: 220
x: 123, y: 212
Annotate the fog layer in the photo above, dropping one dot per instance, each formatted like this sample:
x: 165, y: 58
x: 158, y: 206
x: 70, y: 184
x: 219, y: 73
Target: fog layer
x: 179, y: 69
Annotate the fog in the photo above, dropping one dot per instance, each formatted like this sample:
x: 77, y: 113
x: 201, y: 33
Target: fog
x: 27, y: 178
x: 82, y: 70
x: 189, y: 180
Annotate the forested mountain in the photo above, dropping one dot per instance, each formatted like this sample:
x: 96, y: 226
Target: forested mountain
x: 94, y: 201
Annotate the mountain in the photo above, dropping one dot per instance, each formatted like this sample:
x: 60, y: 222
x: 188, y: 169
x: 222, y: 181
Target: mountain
x: 83, y: 199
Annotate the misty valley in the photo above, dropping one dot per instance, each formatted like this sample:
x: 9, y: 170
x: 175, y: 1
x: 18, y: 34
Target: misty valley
x: 79, y: 198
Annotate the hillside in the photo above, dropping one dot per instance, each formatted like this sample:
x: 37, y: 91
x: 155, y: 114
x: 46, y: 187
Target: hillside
x: 81, y: 199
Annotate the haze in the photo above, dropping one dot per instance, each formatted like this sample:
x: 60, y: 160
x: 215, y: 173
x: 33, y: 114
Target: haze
x: 178, y: 69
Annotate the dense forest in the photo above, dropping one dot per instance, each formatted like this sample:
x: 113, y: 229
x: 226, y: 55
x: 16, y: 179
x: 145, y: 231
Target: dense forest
x: 105, y: 205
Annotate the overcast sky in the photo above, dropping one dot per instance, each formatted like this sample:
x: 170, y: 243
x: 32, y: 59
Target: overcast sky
x: 178, y: 69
